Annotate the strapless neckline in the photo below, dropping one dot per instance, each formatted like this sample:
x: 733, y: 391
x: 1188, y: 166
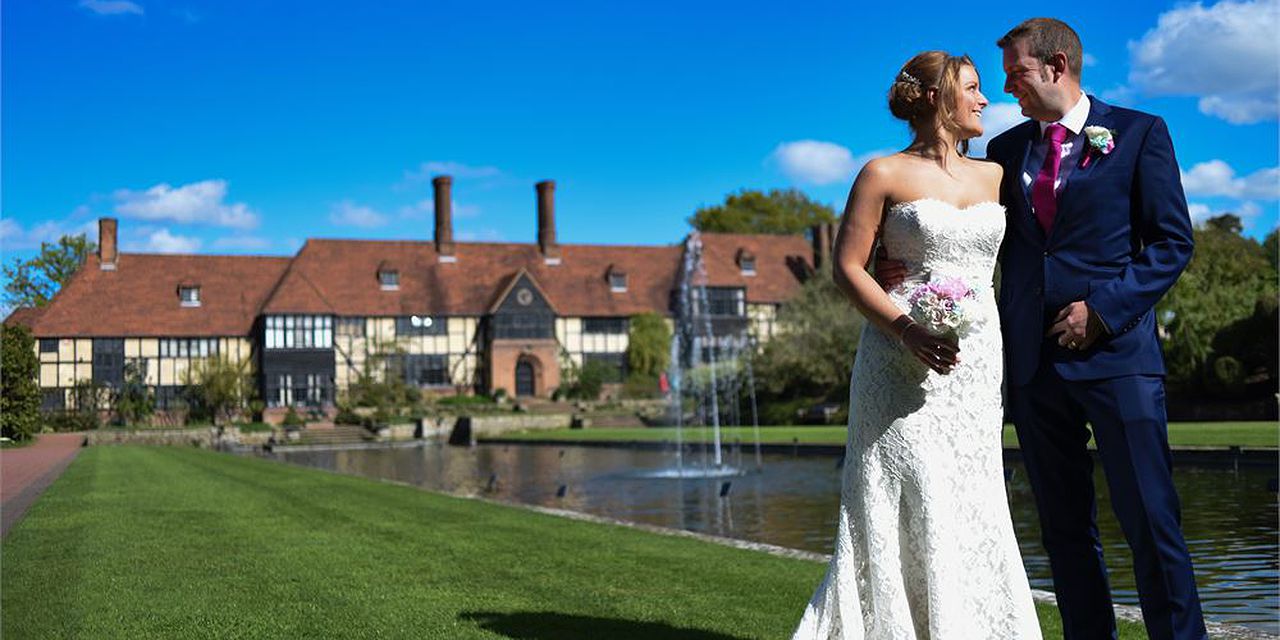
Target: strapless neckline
x: 960, y: 209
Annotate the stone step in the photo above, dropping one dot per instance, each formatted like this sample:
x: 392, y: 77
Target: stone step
x: 335, y: 435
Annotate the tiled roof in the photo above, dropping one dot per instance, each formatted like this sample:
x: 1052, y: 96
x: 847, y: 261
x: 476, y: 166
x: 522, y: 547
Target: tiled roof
x: 340, y: 277
x: 140, y: 297
x: 25, y: 316
x: 782, y: 263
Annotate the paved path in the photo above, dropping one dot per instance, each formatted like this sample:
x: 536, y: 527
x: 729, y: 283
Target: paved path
x: 26, y: 472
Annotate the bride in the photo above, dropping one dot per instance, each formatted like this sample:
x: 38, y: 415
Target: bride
x: 925, y: 546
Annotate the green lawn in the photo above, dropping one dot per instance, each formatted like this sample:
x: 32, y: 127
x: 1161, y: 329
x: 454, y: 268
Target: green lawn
x: 1181, y: 434
x: 136, y: 542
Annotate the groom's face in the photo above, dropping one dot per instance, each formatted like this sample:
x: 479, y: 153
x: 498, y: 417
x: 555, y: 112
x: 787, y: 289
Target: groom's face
x: 1028, y: 79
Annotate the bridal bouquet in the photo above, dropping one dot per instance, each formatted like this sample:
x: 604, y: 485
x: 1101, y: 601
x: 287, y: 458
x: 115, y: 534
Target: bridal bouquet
x: 941, y: 306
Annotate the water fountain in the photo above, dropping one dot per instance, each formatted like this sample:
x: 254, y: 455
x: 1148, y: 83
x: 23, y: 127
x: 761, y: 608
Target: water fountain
x: 703, y: 367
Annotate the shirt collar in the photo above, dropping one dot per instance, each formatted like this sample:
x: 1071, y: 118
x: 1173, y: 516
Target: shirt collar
x: 1075, y: 118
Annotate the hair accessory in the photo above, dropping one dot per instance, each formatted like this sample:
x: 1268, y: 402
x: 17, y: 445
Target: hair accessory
x: 908, y: 78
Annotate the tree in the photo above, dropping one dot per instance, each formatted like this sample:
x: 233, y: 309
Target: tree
x: 811, y: 353
x: 219, y: 388
x: 648, y: 345
x: 781, y: 211
x: 1227, y: 279
x: 19, y: 393
x: 32, y: 283
x: 134, y: 401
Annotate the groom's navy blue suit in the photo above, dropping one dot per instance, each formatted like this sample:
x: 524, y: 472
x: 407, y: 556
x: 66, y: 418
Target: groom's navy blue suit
x: 1120, y: 238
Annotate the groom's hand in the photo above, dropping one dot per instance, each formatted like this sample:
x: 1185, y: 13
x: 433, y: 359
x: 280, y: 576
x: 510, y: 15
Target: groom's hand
x: 889, y: 273
x: 1076, y: 326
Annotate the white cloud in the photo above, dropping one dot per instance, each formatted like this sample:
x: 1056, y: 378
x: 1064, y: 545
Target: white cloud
x: 350, y: 214
x: 458, y: 170
x: 1246, y: 211
x: 111, y: 7
x: 815, y: 162
x: 1217, y: 178
x: 15, y: 237
x: 996, y: 119
x: 1090, y: 60
x: 196, y: 203
x: 162, y: 241
x: 1227, y: 54
x: 1200, y: 212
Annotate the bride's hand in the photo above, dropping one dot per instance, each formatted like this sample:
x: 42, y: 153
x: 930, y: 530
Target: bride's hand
x: 938, y: 353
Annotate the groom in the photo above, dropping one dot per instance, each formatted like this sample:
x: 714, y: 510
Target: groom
x: 1097, y: 232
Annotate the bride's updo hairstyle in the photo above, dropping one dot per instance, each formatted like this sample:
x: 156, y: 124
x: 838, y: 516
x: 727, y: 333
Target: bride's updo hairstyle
x: 909, y: 94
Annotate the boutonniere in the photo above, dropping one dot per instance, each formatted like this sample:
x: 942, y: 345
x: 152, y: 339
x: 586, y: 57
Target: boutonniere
x: 1101, y: 141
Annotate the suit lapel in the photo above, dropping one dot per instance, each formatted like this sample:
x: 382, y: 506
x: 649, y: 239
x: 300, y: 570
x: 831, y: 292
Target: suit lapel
x: 1026, y: 218
x: 1099, y: 116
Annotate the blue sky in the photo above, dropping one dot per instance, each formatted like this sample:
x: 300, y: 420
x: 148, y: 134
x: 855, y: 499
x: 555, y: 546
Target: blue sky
x: 246, y: 127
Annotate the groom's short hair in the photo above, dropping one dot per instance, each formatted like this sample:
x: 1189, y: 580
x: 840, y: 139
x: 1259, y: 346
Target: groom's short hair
x: 1046, y: 37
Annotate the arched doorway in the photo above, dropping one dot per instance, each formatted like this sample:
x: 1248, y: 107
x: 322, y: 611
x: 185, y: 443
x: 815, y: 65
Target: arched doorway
x: 524, y: 378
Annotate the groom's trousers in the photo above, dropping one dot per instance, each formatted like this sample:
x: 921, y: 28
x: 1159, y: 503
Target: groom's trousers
x: 1127, y: 414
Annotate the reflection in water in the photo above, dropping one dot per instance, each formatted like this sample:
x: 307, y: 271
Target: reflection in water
x: 1229, y: 518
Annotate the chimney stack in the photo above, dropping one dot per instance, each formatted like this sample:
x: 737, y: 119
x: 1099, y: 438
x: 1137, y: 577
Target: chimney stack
x: 443, y: 186
x: 107, y: 253
x: 547, y: 221
x: 823, y: 239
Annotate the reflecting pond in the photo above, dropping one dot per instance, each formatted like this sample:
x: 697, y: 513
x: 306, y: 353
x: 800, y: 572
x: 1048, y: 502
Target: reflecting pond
x: 1229, y: 517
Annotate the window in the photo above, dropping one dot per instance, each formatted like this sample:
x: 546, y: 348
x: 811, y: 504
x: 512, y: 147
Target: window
x: 350, y: 327
x: 299, y: 332
x: 284, y: 390
x: 189, y: 296
x: 188, y: 347
x: 421, y: 326
x: 617, y: 281
x: 746, y: 262
x: 426, y: 370
x: 604, y: 325
x: 53, y: 400
x: 315, y: 388
x: 48, y: 345
x: 389, y: 280
x: 523, y: 325
x: 726, y: 301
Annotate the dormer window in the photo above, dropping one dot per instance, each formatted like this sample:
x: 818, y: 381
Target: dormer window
x: 189, y: 295
x: 747, y: 262
x: 390, y: 280
x: 617, y: 280
x: 388, y: 277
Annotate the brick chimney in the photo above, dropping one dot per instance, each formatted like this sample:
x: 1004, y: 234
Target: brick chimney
x: 443, y: 186
x: 823, y: 239
x: 547, y: 221
x: 107, y: 253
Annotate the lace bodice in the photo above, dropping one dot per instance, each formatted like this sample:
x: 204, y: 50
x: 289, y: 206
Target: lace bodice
x: 935, y: 237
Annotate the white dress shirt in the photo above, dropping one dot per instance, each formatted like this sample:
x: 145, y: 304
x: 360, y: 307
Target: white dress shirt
x: 1071, y: 147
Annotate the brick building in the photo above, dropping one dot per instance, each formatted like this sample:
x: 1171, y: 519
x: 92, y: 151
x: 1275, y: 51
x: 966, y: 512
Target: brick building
x: 454, y: 316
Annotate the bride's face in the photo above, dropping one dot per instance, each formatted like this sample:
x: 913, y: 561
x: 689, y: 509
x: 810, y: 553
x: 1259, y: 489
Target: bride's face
x: 969, y: 104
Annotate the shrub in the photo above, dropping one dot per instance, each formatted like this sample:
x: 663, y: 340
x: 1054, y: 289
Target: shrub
x: 292, y: 419
x: 219, y: 388
x: 19, y: 393
x: 134, y: 401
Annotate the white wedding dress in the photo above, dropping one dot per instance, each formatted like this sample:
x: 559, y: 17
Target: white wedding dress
x: 925, y: 546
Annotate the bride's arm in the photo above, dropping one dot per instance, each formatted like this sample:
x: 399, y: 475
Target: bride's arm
x: 858, y: 229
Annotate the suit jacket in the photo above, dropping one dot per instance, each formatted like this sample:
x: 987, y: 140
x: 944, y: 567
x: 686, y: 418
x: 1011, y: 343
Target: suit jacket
x: 1120, y: 238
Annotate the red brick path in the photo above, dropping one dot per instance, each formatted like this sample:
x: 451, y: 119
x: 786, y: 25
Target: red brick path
x: 25, y: 473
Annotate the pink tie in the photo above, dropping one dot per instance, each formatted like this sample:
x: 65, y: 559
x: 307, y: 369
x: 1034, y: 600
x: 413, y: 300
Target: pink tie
x: 1043, y: 198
